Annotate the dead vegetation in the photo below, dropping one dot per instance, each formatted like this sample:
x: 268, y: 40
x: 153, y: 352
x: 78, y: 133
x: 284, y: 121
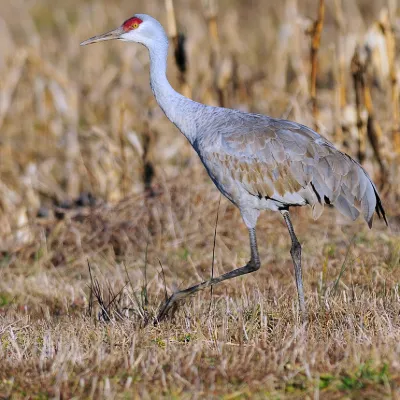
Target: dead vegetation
x: 92, y: 174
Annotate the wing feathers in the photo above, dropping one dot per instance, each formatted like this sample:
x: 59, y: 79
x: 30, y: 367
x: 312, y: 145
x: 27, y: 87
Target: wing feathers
x: 346, y: 208
x: 291, y: 160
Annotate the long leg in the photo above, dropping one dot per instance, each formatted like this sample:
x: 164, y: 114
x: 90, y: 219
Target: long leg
x: 251, y: 266
x: 295, y: 252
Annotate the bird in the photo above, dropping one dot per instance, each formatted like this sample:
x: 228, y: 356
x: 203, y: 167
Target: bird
x: 256, y: 161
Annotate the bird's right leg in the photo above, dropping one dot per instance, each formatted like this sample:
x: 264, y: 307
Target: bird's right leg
x: 295, y: 252
x: 251, y: 266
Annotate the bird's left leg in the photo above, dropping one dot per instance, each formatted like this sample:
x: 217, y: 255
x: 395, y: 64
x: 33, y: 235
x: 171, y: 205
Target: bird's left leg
x: 251, y: 266
x: 295, y: 252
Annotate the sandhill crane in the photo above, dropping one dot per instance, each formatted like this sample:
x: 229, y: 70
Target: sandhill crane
x: 257, y: 162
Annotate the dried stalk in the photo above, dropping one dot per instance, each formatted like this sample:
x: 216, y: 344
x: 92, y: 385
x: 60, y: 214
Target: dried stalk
x: 341, y: 59
x: 172, y: 28
x: 362, y: 87
x: 178, y: 41
x: 339, y: 66
x: 147, y: 177
x: 148, y: 168
x: 357, y: 70
x: 386, y: 24
x: 336, y: 98
x: 224, y: 80
x: 374, y: 130
x: 315, y: 44
x: 288, y: 56
x: 211, y: 11
x: 124, y: 175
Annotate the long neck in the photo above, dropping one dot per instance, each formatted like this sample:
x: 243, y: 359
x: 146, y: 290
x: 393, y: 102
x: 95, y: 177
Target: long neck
x: 176, y: 107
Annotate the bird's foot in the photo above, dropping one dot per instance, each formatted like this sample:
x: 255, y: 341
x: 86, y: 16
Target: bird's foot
x: 164, y: 309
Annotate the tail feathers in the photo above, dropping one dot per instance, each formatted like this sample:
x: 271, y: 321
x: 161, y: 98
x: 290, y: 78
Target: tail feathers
x: 379, y: 207
x: 349, y: 200
x: 368, y: 202
x: 372, y: 202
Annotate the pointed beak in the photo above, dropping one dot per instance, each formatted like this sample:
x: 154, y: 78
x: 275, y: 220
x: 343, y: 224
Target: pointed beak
x: 114, y: 34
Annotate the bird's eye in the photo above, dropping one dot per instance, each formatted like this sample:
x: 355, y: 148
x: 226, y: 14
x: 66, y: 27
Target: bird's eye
x: 131, y: 23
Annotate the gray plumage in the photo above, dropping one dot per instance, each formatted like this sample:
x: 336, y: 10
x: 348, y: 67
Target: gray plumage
x: 257, y: 162
x: 266, y: 163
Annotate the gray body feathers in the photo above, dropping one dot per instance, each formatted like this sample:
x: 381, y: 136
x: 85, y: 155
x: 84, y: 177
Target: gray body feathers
x: 265, y: 163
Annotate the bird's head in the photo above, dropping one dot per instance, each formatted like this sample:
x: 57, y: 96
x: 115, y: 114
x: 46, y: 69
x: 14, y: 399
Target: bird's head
x: 141, y: 28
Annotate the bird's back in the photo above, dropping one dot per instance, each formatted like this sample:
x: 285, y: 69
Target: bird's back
x: 262, y: 162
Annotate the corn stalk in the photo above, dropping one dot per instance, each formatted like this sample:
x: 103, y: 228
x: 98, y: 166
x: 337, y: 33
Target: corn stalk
x: 386, y: 24
x: 178, y: 41
x: 211, y: 11
x: 372, y: 131
x: 316, y: 33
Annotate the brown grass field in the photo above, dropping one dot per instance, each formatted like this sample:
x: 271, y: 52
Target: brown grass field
x: 92, y: 174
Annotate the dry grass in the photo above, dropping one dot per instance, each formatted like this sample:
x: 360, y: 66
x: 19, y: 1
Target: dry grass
x: 76, y: 121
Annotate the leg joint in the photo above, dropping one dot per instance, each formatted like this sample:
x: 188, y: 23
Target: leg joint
x: 295, y: 250
x: 254, y: 264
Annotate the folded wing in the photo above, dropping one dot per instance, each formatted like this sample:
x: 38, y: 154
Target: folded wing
x: 290, y: 163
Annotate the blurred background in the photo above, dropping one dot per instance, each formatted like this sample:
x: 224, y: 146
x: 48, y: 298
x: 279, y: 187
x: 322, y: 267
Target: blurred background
x: 105, y: 208
x: 79, y: 126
